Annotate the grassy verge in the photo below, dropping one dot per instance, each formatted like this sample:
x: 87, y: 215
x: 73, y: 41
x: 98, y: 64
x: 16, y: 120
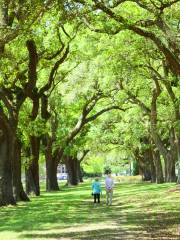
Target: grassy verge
x: 139, y: 211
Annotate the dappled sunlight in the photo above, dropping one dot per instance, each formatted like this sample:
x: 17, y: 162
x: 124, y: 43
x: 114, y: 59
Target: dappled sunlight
x: 138, y: 212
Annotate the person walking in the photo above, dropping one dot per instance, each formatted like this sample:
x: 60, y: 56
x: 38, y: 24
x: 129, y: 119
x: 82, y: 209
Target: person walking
x: 109, y: 184
x: 96, y: 190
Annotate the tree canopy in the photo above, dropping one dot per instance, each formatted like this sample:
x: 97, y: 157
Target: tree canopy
x: 82, y: 79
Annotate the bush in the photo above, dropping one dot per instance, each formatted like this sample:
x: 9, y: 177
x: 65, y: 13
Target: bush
x: 107, y: 170
x: 91, y: 175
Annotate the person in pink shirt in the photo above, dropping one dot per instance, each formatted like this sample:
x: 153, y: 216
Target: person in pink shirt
x: 109, y: 184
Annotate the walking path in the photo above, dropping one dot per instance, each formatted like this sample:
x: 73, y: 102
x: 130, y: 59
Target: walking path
x: 139, y: 211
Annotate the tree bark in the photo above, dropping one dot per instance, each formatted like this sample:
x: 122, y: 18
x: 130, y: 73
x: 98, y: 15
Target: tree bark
x: 176, y: 143
x: 32, y: 170
x: 51, y: 175
x: 51, y: 168
x: 145, y: 162
x: 72, y: 169
x: 18, y: 191
x: 167, y: 155
x: 80, y: 177
x: 158, y: 166
x: 171, y: 176
x: 172, y: 156
x: 178, y: 176
x: 148, y: 158
x: 153, y: 171
x: 178, y: 157
x: 6, y: 190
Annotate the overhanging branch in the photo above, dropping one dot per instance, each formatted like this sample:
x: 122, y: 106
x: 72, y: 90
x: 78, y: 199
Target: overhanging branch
x: 92, y: 118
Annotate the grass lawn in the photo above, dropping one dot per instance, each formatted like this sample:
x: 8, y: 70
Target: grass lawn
x: 139, y: 211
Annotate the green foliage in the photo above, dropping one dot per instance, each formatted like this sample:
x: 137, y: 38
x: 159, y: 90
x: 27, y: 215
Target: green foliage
x: 135, y: 170
x: 177, y: 127
x: 95, y: 164
x: 106, y: 56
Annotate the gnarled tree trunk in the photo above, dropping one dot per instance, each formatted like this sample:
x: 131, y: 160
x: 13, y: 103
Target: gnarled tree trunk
x: 167, y: 155
x: 6, y: 190
x: 145, y: 162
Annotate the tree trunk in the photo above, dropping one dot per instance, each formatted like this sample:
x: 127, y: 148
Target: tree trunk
x: 158, y: 166
x: 72, y: 169
x: 175, y: 142
x: 51, y: 175
x: 172, y: 157
x: 171, y: 175
x: 153, y: 172
x: 32, y: 170
x: 18, y: 190
x: 6, y: 189
x: 169, y: 161
x: 178, y: 176
x: 178, y: 159
x: 80, y: 177
x: 51, y: 168
x: 148, y: 158
x: 144, y: 168
x: 167, y: 155
x: 165, y: 169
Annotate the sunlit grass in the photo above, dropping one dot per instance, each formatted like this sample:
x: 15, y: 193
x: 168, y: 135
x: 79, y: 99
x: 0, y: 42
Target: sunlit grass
x: 129, y: 179
x: 139, y: 211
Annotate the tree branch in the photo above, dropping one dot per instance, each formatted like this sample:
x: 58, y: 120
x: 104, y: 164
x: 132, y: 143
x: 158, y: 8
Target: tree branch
x: 85, y: 152
x: 11, y: 34
x: 64, y: 75
x: 172, y: 59
x: 32, y: 74
x: 168, y: 4
x: 6, y: 102
x: 92, y: 118
x: 54, y: 55
x: 136, y: 100
x: 54, y: 71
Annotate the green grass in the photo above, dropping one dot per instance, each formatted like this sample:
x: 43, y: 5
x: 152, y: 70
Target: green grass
x: 139, y: 211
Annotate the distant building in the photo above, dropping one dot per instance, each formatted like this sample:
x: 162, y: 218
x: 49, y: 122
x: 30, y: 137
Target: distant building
x: 61, y: 168
x: 61, y: 172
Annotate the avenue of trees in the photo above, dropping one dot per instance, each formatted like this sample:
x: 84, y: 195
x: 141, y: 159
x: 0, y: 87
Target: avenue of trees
x: 78, y: 78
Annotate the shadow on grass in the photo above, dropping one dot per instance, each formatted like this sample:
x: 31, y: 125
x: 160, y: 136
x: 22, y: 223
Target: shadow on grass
x: 69, y: 214
x: 150, y: 226
x: 105, y: 234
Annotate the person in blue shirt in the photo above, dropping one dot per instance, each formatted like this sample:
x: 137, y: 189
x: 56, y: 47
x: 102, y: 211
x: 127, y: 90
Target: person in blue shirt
x: 96, y: 190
